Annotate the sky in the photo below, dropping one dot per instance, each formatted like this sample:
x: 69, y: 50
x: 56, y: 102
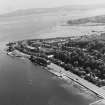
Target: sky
x: 11, y: 5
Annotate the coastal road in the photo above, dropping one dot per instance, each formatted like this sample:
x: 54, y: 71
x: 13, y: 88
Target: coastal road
x: 61, y: 72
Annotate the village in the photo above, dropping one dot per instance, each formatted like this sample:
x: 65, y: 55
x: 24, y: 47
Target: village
x: 83, y: 58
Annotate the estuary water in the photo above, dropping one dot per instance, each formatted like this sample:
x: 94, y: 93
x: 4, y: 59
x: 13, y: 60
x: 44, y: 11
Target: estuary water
x: 23, y: 83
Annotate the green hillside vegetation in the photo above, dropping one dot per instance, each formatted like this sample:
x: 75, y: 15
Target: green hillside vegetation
x: 84, y: 56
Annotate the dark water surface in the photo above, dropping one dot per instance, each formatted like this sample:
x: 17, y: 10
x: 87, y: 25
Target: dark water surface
x: 22, y: 83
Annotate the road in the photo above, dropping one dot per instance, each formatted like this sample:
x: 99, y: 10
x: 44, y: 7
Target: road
x: 61, y: 72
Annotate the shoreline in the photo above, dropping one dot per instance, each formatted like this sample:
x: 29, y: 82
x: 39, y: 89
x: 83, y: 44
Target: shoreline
x: 81, y: 90
x: 63, y: 74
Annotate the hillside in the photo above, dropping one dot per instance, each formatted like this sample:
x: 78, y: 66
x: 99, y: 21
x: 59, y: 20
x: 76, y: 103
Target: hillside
x: 94, y: 19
